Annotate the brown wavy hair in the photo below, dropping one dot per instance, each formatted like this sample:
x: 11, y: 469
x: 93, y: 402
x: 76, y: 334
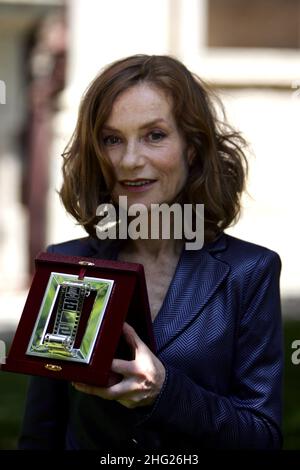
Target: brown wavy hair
x: 219, y: 168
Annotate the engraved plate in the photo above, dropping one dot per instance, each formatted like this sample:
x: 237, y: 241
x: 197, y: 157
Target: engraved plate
x: 70, y: 317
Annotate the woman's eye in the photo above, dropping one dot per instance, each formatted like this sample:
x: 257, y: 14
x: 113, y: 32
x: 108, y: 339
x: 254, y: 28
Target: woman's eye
x: 156, y: 136
x: 111, y: 140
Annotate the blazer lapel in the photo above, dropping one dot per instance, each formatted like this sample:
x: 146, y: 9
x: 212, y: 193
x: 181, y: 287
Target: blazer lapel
x: 198, y: 276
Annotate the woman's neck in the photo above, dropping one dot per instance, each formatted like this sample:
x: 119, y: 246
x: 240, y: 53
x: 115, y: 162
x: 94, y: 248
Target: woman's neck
x: 153, y: 249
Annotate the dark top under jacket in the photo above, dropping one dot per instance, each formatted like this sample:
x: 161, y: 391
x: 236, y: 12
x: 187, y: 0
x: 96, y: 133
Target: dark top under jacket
x: 218, y: 333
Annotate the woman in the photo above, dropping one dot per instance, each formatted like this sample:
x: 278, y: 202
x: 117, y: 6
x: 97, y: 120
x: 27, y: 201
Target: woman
x: 148, y: 130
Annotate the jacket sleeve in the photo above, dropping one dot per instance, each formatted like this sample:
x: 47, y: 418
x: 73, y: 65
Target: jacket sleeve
x: 250, y: 416
x: 46, y: 414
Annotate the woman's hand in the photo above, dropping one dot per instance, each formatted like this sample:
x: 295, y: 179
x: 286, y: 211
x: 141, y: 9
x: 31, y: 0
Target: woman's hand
x: 143, y: 376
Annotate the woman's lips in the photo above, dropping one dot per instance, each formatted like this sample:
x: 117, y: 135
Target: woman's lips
x: 138, y: 185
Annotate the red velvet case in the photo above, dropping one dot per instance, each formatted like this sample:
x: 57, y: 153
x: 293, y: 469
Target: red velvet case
x: 128, y: 301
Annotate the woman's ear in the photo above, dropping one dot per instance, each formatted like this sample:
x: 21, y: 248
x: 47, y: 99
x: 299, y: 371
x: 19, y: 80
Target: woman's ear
x: 191, y: 154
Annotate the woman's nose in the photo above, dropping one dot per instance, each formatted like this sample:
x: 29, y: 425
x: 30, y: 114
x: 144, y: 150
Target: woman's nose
x: 133, y: 155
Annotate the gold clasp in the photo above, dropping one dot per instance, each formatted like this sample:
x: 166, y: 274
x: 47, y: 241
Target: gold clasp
x: 53, y: 367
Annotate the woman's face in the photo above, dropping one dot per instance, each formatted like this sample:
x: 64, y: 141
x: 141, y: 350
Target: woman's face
x: 145, y: 147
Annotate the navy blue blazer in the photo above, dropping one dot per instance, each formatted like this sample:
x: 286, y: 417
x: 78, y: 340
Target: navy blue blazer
x: 219, y: 336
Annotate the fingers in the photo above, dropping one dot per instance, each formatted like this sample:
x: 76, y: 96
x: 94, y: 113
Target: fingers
x: 131, y: 336
x: 102, y: 392
x: 99, y: 391
x: 125, y: 368
x: 115, y: 392
x: 130, y: 391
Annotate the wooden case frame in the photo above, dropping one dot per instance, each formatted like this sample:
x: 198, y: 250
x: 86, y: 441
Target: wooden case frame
x: 127, y: 300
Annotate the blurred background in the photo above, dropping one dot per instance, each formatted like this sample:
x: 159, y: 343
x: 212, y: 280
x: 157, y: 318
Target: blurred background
x: 249, y: 52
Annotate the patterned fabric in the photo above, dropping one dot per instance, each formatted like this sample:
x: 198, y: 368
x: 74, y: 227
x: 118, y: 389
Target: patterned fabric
x: 219, y: 336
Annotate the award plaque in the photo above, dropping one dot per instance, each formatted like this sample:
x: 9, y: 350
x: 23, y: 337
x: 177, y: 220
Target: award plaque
x: 71, y: 326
